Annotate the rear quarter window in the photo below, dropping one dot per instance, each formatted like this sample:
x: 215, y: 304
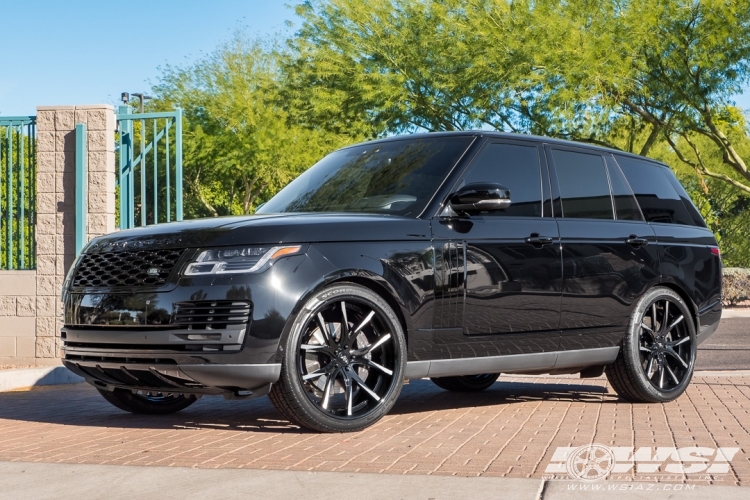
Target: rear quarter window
x: 659, y: 194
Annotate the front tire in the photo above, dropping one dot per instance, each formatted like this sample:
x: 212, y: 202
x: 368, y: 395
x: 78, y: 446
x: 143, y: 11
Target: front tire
x: 466, y: 383
x: 343, y: 363
x: 657, y: 356
x: 148, y: 402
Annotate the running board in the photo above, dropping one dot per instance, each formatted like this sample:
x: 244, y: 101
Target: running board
x: 513, y: 363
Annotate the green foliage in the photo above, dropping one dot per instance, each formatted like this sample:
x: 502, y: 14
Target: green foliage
x: 240, y: 144
x: 652, y: 77
x: 15, y: 150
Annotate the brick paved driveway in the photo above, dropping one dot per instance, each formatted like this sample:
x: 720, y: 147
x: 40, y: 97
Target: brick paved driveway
x: 509, y: 430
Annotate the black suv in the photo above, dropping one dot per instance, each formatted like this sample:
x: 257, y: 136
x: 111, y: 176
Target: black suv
x: 453, y: 256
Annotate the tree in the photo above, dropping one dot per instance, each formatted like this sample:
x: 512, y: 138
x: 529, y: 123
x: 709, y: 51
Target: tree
x: 627, y: 74
x: 241, y: 144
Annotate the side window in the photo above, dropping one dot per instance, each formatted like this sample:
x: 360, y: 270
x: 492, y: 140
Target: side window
x: 626, y: 207
x: 584, y: 186
x: 515, y: 167
x: 655, y: 194
x: 691, y: 208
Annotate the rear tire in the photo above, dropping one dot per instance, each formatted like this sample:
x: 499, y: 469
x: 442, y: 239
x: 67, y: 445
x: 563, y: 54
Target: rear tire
x: 657, y: 356
x: 148, y: 403
x: 344, y: 361
x: 466, y: 383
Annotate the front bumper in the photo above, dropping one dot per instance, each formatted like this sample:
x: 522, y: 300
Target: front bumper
x: 153, y: 351
x: 240, y: 380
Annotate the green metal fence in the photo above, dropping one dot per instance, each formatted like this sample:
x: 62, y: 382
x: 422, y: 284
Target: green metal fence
x: 17, y: 192
x: 149, y: 151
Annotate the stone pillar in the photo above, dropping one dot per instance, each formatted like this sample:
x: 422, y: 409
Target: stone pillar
x: 55, y: 230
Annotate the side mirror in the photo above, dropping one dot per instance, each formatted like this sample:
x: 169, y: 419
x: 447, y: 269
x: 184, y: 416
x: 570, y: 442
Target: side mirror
x: 480, y: 197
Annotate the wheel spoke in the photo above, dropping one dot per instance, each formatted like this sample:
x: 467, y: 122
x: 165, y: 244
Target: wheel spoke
x: 348, y: 394
x: 653, y: 318
x: 364, y: 323
x: 678, y: 342
x: 661, y: 376
x: 644, y: 348
x: 674, y: 354
x: 675, y: 323
x: 313, y: 347
x: 368, y: 349
x: 379, y: 367
x: 671, y: 374
x: 665, y: 318
x: 328, y: 389
x: 344, y: 321
x: 649, y: 331
x: 326, y: 332
x: 317, y: 373
x: 364, y: 387
x: 650, y: 366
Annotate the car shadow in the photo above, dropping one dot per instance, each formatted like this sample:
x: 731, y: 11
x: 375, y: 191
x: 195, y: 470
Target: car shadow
x: 81, y: 405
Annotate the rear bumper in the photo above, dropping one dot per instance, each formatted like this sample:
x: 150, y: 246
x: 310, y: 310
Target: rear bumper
x: 708, y: 321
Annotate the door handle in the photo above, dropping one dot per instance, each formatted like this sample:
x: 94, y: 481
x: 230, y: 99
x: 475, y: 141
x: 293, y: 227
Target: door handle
x: 636, y: 241
x: 537, y: 240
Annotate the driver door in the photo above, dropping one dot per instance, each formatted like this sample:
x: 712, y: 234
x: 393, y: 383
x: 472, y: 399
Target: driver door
x: 504, y: 266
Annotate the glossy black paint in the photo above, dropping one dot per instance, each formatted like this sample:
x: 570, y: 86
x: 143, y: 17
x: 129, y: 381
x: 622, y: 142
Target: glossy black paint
x: 464, y: 286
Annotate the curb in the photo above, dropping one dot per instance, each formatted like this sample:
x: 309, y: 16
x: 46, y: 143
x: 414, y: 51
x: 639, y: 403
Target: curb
x: 30, y: 377
x: 722, y: 373
x: 735, y: 313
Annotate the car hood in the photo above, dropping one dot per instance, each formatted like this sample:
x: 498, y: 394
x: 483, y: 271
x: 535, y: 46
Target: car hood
x: 265, y: 229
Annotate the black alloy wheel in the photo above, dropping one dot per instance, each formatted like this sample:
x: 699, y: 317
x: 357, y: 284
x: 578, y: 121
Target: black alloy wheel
x: 665, y: 345
x: 148, y: 402
x: 344, y: 367
x: 657, y: 357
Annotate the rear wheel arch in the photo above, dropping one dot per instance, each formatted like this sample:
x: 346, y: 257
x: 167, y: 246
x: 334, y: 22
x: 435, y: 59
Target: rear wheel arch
x: 685, y: 298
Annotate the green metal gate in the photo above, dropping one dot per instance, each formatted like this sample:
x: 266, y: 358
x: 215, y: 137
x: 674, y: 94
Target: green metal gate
x: 150, y: 167
x: 17, y: 192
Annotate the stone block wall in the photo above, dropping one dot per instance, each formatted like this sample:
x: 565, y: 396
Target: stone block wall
x: 55, y: 229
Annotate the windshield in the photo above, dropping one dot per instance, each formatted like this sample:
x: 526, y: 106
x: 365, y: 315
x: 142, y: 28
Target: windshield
x: 397, y: 177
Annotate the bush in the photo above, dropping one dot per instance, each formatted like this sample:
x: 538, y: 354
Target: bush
x: 736, y: 286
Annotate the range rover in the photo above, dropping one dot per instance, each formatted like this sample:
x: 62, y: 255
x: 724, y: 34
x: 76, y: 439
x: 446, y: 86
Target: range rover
x: 455, y: 256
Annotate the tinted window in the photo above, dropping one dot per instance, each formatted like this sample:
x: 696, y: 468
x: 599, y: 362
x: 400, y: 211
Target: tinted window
x: 691, y: 208
x: 584, y: 186
x: 626, y: 207
x: 655, y: 194
x: 515, y: 167
x: 395, y: 177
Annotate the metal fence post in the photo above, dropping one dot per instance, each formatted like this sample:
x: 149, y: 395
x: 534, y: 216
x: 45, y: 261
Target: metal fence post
x: 81, y: 191
x: 126, y: 168
x: 129, y: 162
x: 9, y: 199
x: 178, y: 163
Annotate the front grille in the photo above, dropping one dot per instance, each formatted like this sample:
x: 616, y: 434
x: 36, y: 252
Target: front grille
x: 120, y: 269
x: 211, y: 314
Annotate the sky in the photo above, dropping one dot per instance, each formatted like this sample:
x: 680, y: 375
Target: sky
x: 61, y: 52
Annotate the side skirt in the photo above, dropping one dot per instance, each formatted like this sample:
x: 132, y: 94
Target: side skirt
x: 514, y: 363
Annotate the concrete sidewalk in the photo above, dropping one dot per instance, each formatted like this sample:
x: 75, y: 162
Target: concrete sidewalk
x: 38, y: 481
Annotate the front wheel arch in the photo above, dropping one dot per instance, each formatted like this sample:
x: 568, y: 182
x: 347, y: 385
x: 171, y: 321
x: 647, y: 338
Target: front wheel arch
x: 354, y: 276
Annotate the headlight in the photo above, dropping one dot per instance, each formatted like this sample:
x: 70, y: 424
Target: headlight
x: 238, y: 259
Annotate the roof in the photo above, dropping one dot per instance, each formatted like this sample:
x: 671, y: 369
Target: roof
x: 508, y: 135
